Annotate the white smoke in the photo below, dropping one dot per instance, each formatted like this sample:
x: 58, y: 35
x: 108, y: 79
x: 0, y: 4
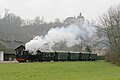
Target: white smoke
x: 72, y: 35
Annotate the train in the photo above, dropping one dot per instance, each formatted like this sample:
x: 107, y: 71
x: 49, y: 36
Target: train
x: 39, y: 56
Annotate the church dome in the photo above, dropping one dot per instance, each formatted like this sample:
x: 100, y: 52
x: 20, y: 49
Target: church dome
x: 80, y: 16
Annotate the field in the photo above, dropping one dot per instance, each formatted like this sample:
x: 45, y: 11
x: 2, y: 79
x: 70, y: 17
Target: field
x: 98, y: 70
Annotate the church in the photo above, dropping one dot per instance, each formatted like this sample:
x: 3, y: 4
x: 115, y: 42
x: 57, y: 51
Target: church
x: 79, y: 20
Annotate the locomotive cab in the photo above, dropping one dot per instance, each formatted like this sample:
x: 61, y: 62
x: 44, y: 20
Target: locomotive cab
x: 21, y: 54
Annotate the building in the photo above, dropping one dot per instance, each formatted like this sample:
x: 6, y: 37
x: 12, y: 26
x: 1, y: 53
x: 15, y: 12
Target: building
x: 7, y: 50
x: 20, y: 49
x: 70, y: 20
x: 1, y: 56
x: 79, y: 20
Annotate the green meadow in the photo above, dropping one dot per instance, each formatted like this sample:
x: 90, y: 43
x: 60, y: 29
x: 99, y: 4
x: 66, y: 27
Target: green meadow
x: 98, y: 70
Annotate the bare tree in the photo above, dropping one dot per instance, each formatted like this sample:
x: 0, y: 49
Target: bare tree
x: 6, y: 11
x: 37, y: 20
x: 109, y: 29
x: 57, y: 20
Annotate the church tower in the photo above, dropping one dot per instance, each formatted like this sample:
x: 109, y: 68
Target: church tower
x: 80, y: 19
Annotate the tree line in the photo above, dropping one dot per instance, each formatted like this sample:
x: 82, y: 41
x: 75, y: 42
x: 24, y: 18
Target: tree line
x: 13, y: 27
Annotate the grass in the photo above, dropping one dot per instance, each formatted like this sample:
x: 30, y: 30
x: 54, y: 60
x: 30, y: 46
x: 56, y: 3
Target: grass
x: 98, y: 70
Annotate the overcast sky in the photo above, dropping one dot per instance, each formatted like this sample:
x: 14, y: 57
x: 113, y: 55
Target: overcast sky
x: 51, y: 9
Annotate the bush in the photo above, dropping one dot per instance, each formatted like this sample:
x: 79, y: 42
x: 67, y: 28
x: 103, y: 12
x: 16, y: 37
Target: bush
x: 100, y: 57
x: 113, y: 58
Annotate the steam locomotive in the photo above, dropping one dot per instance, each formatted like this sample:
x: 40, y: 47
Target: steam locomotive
x: 25, y: 56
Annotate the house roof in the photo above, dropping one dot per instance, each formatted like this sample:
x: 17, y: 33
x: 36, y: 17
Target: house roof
x: 69, y: 18
x: 20, y: 46
x: 11, y: 44
x: 5, y: 49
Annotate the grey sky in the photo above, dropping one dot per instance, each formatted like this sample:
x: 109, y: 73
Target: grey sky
x: 50, y: 9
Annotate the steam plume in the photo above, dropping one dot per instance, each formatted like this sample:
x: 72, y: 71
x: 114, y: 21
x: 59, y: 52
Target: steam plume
x: 71, y: 35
